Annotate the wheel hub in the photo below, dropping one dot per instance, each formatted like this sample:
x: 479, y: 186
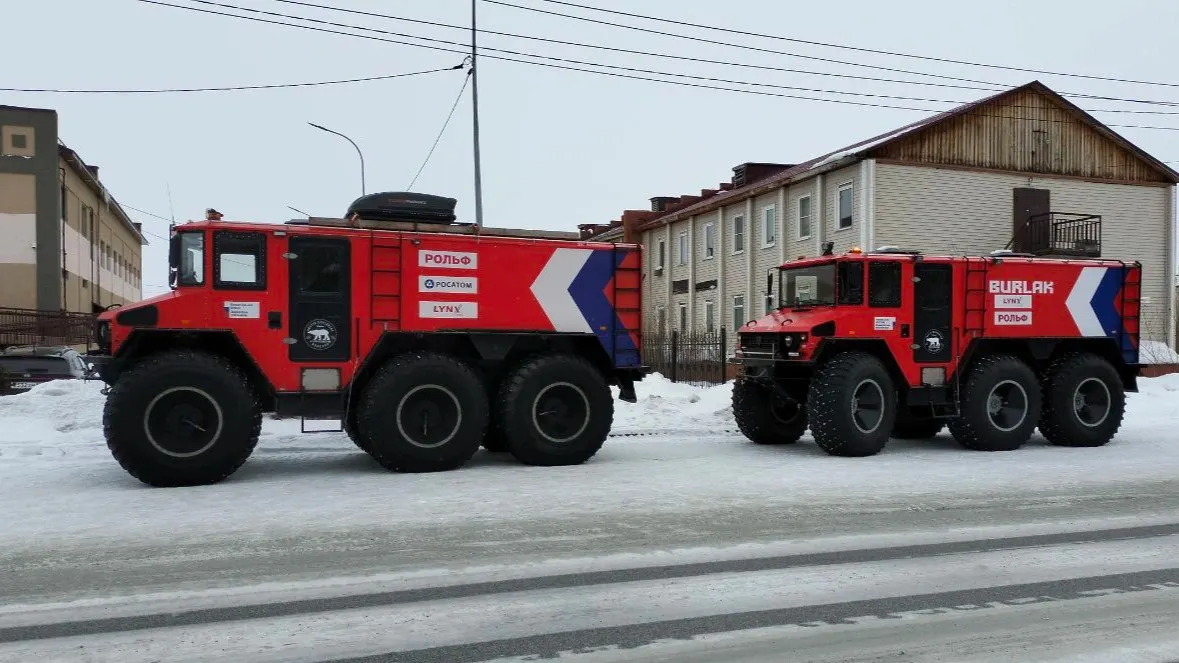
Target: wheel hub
x: 183, y: 422
x: 1092, y: 402
x: 1007, y: 405
x: 560, y: 412
x: 428, y: 416
x: 867, y: 406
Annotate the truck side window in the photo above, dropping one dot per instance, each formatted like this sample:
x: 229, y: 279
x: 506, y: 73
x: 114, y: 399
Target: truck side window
x: 884, y: 283
x: 851, y: 283
x: 320, y: 270
x: 239, y: 260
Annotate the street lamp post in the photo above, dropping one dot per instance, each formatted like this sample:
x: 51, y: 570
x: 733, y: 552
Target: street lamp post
x: 358, y: 152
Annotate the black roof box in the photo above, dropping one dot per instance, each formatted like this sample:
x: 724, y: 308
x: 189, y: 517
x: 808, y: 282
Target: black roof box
x: 403, y: 206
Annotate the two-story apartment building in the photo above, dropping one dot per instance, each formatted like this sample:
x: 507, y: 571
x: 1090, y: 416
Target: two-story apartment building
x: 961, y: 182
x: 65, y: 243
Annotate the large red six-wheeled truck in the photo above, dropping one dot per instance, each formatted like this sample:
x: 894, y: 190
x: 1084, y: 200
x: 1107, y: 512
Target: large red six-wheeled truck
x: 893, y: 343
x: 425, y: 338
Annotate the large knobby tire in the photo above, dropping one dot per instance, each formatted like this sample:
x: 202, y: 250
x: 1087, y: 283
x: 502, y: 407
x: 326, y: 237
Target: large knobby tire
x: 352, y: 430
x: 852, y: 405
x: 555, y: 410
x: 182, y: 418
x: 423, y: 412
x: 762, y: 418
x: 1000, y: 405
x: 1084, y: 401
x: 913, y: 428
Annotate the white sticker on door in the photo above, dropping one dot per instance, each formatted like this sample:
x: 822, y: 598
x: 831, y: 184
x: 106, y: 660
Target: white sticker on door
x: 457, y: 310
x: 1008, y: 318
x: 243, y: 310
x: 448, y: 259
x: 884, y: 324
x: 450, y: 284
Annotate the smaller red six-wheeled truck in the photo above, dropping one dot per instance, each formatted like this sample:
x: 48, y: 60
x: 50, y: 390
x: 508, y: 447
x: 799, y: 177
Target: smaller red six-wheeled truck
x: 893, y: 343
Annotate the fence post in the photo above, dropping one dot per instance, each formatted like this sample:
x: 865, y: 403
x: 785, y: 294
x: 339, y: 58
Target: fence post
x: 675, y: 335
x: 724, y: 354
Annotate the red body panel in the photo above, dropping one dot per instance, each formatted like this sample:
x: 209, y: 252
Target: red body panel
x: 417, y: 282
x: 1003, y: 297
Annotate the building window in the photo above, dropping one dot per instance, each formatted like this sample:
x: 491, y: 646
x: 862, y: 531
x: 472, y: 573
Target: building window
x: 683, y: 248
x: 738, y: 311
x: 661, y: 256
x: 20, y: 142
x: 738, y: 234
x: 709, y: 316
x: 660, y: 318
x: 804, y: 217
x: 769, y: 226
x: 845, y: 206
x: 709, y: 240
x: 683, y: 318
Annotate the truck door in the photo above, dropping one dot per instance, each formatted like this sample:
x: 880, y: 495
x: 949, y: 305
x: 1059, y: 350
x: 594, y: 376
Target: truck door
x: 321, y: 299
x: 932, y: 312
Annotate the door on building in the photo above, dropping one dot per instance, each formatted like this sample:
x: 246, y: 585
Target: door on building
x: 320, y: 299
x: 933, y: 312
x: 1029, y: 203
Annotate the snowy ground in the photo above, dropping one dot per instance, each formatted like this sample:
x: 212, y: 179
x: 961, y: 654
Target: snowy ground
x: 58, y: 480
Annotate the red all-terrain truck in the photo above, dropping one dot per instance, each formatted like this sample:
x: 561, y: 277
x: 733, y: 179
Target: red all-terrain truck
x: 893, y: 343
x: 425, y: 338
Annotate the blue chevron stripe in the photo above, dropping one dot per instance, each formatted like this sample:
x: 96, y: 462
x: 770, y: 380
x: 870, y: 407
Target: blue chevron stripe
x: 1104, y: 298
x: 588, y: 290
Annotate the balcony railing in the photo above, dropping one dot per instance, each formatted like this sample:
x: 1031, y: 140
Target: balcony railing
x: 1061, y: 234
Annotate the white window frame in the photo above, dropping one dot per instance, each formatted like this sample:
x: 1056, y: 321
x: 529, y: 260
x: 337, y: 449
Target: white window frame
x: 766, y: 226
x: 682, y: 247
x: 661, y: 255
x: 709, y: 238
x: 799, y: 217
x: 738, y: 304
x: 740, y: 218
x: 683, y: 317
x: 709, y: 315
x: 846, y: 186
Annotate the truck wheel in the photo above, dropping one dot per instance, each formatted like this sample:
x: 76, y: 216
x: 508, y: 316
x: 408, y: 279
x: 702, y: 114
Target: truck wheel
x: 555, y: 410
x: 762, y: 420
x: 1000, y: 405
x: 182, y: 418
x: 423, y: 412
x: 910, y: 428
x: 852, y: 404
x: 1084, y: 402
x: 351, y: 429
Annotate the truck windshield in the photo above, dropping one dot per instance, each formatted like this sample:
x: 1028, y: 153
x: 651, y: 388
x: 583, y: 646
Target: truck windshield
x: 807, y: 286
x: 186, y: 259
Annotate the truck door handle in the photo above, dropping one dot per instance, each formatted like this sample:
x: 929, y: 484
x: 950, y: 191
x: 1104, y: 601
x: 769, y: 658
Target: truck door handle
x: 274, y: 319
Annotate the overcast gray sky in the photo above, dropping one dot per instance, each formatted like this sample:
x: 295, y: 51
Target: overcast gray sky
x: 559, y: 147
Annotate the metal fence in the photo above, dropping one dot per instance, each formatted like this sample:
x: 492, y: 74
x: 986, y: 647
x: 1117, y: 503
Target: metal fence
x: 695, y: 357
x: 30, y: 327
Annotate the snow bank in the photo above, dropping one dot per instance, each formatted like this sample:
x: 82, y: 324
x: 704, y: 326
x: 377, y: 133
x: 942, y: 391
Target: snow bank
x: 667, y: 405
x: 55, y: 419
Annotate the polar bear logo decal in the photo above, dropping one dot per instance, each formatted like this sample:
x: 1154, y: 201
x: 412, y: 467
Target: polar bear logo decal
x: 319, y: 334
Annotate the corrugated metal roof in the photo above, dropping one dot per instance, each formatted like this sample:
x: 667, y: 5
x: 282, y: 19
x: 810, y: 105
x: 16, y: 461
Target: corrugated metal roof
x: 855, y: 151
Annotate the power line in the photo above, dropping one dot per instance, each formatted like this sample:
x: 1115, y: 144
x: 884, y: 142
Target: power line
x: 573, y: 68
x: 230, y: 88
x: 136, y: 209
x: 449, y: 115
x: 989, y: 87
x: 839, y: 46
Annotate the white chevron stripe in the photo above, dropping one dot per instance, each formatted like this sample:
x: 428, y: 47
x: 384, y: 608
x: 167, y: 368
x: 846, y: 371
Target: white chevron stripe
x: 1079, y: 299
x: 551, y: 289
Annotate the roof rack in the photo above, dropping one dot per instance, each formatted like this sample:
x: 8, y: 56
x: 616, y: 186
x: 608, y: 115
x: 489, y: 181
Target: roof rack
x: 420, y: 227
x: 893, y: 250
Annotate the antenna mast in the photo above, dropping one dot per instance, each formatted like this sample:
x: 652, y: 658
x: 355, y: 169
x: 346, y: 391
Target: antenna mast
x: 475, y: 123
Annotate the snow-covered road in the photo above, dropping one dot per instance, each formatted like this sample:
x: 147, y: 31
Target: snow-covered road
x: 313, y: 509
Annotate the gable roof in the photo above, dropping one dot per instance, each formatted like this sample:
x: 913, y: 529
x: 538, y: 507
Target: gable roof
x: 857, y: 151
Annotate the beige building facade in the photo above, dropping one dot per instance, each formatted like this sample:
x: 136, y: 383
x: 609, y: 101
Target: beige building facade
x: 65, y: 244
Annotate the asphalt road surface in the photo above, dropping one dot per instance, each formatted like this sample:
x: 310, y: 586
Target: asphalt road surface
x: 1075, y: 574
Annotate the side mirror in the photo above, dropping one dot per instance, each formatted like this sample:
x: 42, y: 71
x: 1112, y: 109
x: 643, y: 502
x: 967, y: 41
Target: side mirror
x: 769, y: 283
x: 174, y: 250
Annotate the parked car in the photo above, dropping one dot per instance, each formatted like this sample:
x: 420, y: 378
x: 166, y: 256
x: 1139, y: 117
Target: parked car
x: 25, y: 367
